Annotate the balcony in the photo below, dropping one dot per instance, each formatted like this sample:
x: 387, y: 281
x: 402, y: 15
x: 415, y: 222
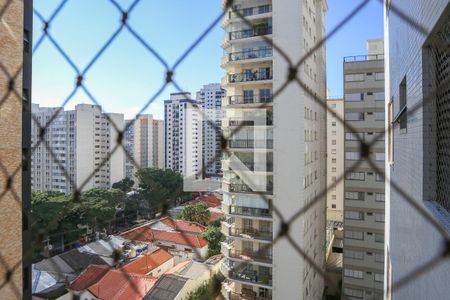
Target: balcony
x: 250, y: 54
x: 257, y: 30
x: 243, y: 188
x: 251, y: 233
x: 251, y: 277
x: 254, y: 99
x: 251, y: 256
x: 250, y: 11
x: 250, y: 211
x: 244, y: 296
x: 251, y: 144
x: 250, y: 76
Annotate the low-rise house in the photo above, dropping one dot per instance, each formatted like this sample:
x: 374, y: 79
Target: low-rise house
x: 170, y: 224
x: 186, y: 245
x: 151, y: 264
x: 183, y: 279
x: 103, y: 282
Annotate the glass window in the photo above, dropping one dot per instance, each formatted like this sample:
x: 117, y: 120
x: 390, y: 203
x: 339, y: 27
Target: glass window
x: 379, y: 116
x: 354, y: 97
x: 354, y: 116
x: 354, y: 215
x: 355, y: 176
x: 379, y: 156
x: 379, y: 257
x: 379, y: 237
x: 355, y: 235
x: 353, y: 292
x: 379, y: 197
x: 353, y: 273
x: 354, y: 77
x: 351, y: 136
x: 352, y: 155
x: 379, y: 76
x: 379, y: 96
x: 379, y: 217
x: 354, y: 195
x: 379, y: 277
x: 353, y: 254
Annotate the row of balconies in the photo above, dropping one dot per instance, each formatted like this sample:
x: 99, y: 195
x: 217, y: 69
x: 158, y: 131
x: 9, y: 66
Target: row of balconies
x: 251, y: 144
x: 250, y: 75
x: 241, y: 99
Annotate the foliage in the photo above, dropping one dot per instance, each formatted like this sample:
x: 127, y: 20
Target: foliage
x: 64, y: 218
x: 218, y: 222
x: 161, y: 188
x: 208, y: 290
x: 214, y: 236
x: 125, y: 185
x: 196, y: 213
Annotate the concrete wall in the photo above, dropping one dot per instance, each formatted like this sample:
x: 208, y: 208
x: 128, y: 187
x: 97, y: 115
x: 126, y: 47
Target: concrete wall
x: 411, y: 241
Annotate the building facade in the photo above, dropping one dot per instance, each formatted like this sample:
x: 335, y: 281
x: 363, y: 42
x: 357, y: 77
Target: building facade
x: 144, y: 141
x: 15, y: 121
x: 210, y: 97
x: 417, y: 86
x: 335, y: 160
x: 364, y: 186
x: 183, y: 134
x: 77, y: 149
x: 276, y: 150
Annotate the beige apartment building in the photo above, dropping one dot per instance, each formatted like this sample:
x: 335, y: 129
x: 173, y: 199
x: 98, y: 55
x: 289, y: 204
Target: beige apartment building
x: 276, y: 154
x: 144, y: 141
x: 15, y: 118
x: 363, y: 263
x: 335, y: 160
x: 78, y: 150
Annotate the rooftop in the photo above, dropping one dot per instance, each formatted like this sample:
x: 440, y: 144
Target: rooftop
x: 106, y: 283
x: 181, y: 225
x: 146, y: 234
x: 166, y: 288
x: 146, y: 263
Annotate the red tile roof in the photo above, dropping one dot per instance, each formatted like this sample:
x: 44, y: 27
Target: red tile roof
x: 146, y: 263
x: 106, y: 283
x: 215, y: 216
x: 210, y: 200
x: 146, y: 234
x: 182, y: 225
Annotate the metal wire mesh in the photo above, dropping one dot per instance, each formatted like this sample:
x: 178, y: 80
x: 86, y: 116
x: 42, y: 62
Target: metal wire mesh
x: 9, y: 173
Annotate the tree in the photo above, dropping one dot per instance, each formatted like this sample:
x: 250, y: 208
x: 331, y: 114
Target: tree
x: 162, y: 188
x: 196, y: 213
x: 214, y: 236
x: 125, y: 185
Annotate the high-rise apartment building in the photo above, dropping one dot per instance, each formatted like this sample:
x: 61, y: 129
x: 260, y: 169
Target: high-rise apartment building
x: 15, y: 122
x: 76, y: 149
x: 278, y: 161
x: 335, y: 160
x: 183, y: 134
x: 417, y: 143
x: 144, y: 141
x: 364, y: 187
x: 210, y: 97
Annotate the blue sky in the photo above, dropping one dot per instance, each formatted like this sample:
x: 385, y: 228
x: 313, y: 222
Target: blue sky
x: 127, y: 75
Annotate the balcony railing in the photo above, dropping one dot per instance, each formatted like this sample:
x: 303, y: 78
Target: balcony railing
x: 364, y: 57
x: 251, y: 11
x: 251, y: 277
x: 251, y: 233
x: 243, y: 188
x: 250, y: 76
x: 240, y: 99
x: 251, y: 255
x: 250, y: 211
x: 258, y: 30
x: 250, y: 54
x: 241, y: 296
x: 251, y: 144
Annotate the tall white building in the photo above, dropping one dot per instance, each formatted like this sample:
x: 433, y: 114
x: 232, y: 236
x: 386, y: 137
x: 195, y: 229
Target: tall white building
x: 335, y: 160
x: 286, y: 152
x: 210, y: 97
x: 417, y: 118
x: 183, y: 134
x: 144, y: 141
x: 364, y: 192
x: 81, y: 140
